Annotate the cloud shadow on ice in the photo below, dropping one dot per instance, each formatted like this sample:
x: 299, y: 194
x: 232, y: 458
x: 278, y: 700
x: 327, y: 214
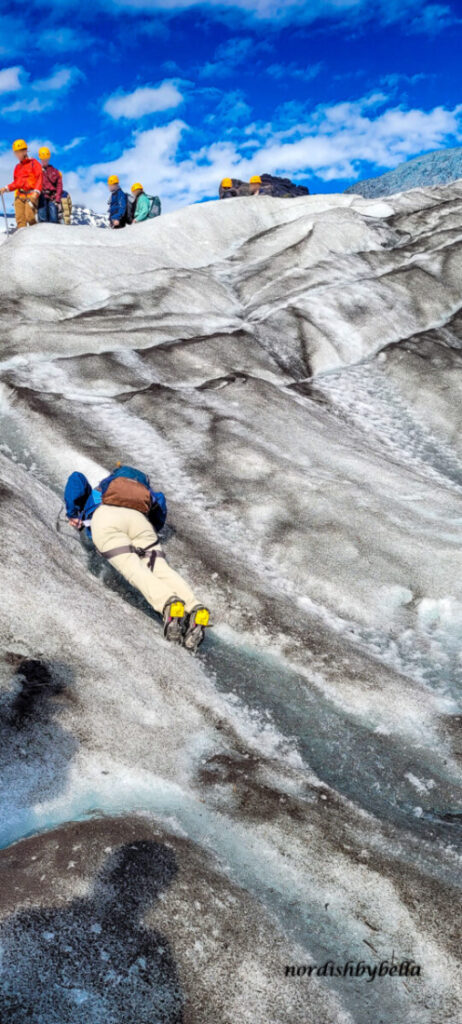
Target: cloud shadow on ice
x: 35, y: 750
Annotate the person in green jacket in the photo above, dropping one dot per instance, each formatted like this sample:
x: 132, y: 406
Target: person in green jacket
x: 143, y: 204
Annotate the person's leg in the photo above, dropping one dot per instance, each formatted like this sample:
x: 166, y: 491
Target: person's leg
x: 163, y: 581
x: 20, y: 212
x: 52, y: 212
x: 31, y: 210
x: 114, y: 527
x: 42, y: 211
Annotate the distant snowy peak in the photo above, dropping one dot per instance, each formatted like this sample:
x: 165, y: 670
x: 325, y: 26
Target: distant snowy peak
x: 83, y: 215
x: 436, y: 168
x: 80, y: 215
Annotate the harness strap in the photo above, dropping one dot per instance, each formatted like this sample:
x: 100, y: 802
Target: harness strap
x: 128, y: 549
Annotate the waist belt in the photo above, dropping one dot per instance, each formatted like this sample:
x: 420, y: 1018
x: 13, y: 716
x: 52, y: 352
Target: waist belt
x: 130, y: 549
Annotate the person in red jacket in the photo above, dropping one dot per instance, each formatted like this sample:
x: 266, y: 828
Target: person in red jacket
x: 52, y: 187
x: 27, y: 184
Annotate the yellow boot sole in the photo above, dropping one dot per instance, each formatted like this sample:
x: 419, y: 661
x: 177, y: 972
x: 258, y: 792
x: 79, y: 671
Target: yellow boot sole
x: 176, y: 610
x: 202, y: 617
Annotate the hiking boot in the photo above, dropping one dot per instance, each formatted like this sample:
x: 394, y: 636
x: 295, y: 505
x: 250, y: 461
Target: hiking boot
x: 197, y: 619
x: 173, y: 616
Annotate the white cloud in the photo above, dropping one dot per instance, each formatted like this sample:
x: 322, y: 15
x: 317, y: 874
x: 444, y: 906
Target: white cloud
x: 62, y: 39
x: 146, y: 100
x: 417, y: 15
x: 44, y: 93
x: 335, y: 140
x: 19, y: 36
x: 432, y: 19
x: 60, y: 79
x: 74, y: 143
x: 345, y: 140
x: 281, y: 72
x: 10, y: 79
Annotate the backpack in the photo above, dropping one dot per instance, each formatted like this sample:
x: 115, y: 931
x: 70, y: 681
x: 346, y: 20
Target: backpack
x: 127, y: 488
x: 155, y: 207
x: 129, y: 214
x: 66, y: 207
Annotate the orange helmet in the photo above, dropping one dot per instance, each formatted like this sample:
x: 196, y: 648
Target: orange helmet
x: 255, y: 179
x: 44, y: 153
x: 136, y: 186
x: 113, y: 179
x: 226, y: 183
x: 18, y: 145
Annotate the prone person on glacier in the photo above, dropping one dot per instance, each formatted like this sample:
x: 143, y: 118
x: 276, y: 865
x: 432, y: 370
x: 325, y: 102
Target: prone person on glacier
x: 123, y: 516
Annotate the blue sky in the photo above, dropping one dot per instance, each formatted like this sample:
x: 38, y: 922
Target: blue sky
x: 177, y: 94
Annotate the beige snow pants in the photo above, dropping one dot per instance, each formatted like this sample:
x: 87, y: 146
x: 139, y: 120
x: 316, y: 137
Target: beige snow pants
x: 114, y: 527
x: 25, y: 209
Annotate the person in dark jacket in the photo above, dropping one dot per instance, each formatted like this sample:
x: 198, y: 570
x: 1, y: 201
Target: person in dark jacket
x: 117, y: 203
x: 123, y: 515
x: 52, y: 187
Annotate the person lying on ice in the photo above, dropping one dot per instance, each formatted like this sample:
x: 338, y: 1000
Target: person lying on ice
x: 123, y: 515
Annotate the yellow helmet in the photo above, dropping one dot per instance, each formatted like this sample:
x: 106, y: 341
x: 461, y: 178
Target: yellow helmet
x: 44, y: 153
x: 113, y: 179
x: 226, y: 183
x: 255, y: 179
x: 136, y: 186
x: 19, y: 145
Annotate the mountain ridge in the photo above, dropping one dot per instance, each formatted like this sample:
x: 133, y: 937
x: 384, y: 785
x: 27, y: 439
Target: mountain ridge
x: 438, y: 167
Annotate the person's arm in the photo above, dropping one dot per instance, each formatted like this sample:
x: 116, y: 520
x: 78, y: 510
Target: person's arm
x: 158, y: 513
x: 76, y: 493
x: 142, y: 207
x: 121, y: 205
x: 38, y: 176
x: 59, y: 187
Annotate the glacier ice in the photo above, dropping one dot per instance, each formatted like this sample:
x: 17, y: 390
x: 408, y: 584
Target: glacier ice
x: 289, y: 373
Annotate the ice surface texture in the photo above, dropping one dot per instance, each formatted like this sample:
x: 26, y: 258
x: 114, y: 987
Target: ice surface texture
x: 289, y: 374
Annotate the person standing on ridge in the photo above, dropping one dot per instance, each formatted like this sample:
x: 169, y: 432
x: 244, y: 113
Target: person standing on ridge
x: 123, y: 515
x: 144, y: 207
x: 227, y: 189
x: 257, y: 187
x: 52, y: 187
x: 117, y: 203
x: 27, y: 183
